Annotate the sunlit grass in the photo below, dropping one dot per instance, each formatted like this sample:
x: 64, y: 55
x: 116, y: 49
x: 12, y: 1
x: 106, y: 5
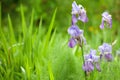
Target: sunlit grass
x: 48, y: 57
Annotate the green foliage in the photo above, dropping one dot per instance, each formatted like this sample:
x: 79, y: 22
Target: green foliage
x: 36, y: 54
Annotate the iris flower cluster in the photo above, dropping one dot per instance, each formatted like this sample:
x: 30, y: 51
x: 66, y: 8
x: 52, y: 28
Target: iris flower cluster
x: 78, y: 13
x: 91, y: 60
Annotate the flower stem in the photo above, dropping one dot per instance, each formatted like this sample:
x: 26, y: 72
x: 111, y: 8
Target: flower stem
x: 111, y: 36
x: 104, y: 37
x: 83, y: 61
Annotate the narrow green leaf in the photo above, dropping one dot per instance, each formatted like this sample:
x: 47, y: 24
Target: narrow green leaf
x: 47, y: 38
x: 0, y: 14
x: 31, y: 23
x: 12, y: 36
x: 4, y: 41
x: 53, y: 37
x: 23, y: 21
x: 50, y: 72
x: 40, y: 25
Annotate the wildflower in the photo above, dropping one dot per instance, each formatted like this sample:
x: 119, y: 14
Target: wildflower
x: 72, y: 42
x: 92, y: 56
x: 106, y: 51
x: 88, y: 66
x: 77, y: 36
x: 106, y: 17
x: 91, y: 59
x: 79, y: 11
x: 74, y: 19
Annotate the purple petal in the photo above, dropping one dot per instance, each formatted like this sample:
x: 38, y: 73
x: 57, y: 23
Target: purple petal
x: 105, y: 14
x: 80, y: 11
x: 110, y: 23
x: 101, y: 55
x: 72, y: 43
x: 105, y: 48
x: 88, y: 66
x: 102, y: 24
x: 101, y: 49
x: 86, y: 57
x: 108, y: 57
x: 98, y: 67
x: 74, y: 31
x: 83, y: 17
x: 96, y: 58
x: 75, y: 8
x: 74, y: 19
x: 107, y: 18
x: 92, y: 52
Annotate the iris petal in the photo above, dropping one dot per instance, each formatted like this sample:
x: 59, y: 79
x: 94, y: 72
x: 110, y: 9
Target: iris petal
x: 72, y: 43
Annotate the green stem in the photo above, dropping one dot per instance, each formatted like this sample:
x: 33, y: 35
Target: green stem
x: 111, y: 36
x: 104, y: 33
x: 83, y: 61
x: 84, y: 29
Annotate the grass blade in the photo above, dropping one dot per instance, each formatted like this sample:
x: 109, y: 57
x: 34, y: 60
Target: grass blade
x: 47, y: 38
x: 12, y: 36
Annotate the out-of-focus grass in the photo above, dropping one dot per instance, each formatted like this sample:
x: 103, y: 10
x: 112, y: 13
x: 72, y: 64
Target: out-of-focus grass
x: 34, y: 56
x: 44, y: 8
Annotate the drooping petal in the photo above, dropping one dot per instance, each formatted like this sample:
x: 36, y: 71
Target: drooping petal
x: 72, y: 43
x: 82, y: 16
x: 74, y: 19
x: 88, y: 66
x: 110, y: 23
x: 98, y: 67
x: 108, y: 57
x: 102, y: 24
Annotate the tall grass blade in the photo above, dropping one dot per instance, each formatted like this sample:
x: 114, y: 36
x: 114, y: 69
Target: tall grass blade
x: 0, y: 15
x: 24, y: 28
x: 12, y: 36
x: 47, y: 37
x: 50, y: 72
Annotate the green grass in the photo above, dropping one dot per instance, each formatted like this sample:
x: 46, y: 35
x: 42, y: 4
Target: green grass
x: 44, y: 55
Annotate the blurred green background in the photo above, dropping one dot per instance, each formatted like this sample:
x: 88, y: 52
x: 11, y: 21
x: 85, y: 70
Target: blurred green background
x: 45, y: 8
x: 41, y: 52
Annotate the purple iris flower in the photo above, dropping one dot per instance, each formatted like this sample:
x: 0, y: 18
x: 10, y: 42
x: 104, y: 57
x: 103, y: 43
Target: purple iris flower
x: 106, y: 17
x: 74, y: 19
x: 106, y: 50
x: 92, y: 56
x: 72, y: 43
x: 79, y: 12
x: 88, y: 66
x: 77, y: 36
x: 92, y: 59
